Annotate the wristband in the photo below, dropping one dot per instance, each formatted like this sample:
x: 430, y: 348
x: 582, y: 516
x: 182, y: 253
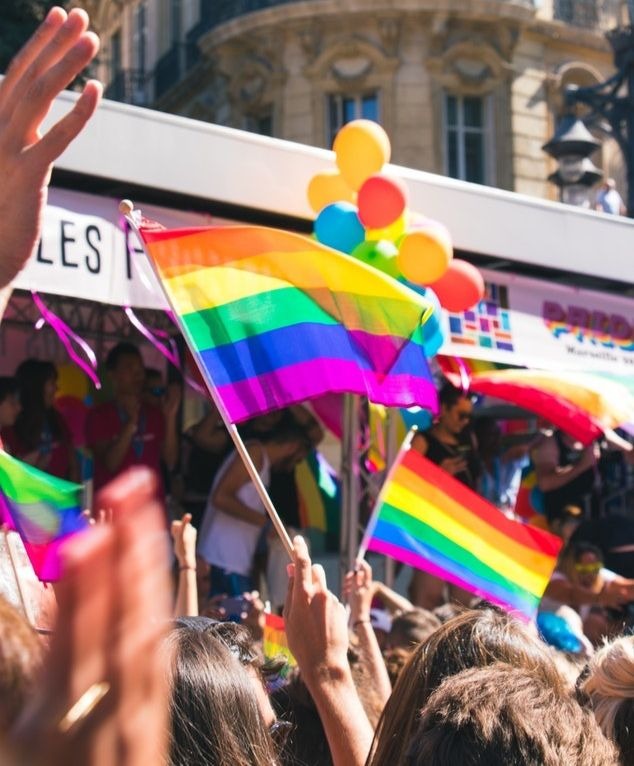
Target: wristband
x: 361, y: 622
x: 184, y: 568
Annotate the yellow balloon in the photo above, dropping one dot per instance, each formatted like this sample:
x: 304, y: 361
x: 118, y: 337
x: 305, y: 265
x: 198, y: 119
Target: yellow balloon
x: 362, y: 148
x: 326, y: 188
x: 391, y: 232
x: 425, y: 253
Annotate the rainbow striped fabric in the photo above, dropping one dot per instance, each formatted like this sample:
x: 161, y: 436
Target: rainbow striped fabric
x: 43, y: 509
x: 319, y: 494
x: 275, y: 318
x: 429, y: 520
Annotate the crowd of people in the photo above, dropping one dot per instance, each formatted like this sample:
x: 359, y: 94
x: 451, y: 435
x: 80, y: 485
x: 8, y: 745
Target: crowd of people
x: 127, y: 675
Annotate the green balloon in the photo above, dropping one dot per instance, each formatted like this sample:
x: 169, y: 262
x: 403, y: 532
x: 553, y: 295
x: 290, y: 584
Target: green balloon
x: 380, y: 255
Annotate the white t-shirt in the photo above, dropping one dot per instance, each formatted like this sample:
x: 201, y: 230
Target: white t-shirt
x: 225, y: 541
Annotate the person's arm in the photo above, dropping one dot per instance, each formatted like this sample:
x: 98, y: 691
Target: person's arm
x: 392, y: 600
x: 225, y: 495
x: 611, y: 595
x: 317, y: 631
x: 550, y: 475
x: 59, y: 50
x: 359, y: 590
x: 112, y: 452
x: 184, y: 537
x: 171, y: 404
x: 304, y: 417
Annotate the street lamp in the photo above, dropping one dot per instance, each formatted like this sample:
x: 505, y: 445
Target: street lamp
x: 612, y: 101
x: 572, y: 146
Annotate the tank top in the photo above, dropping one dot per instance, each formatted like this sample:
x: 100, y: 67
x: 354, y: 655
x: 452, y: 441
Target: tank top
x: 225, y: 541
x: 438, y: 451
x: 575, y: 492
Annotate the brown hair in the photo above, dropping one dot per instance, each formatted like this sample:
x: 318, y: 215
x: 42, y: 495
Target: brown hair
x: 610, y: 687
x: 214, y: 714
x: 412, y: 628
x: 20, y: 659
x: 475, y: 638
x: 505, y: 715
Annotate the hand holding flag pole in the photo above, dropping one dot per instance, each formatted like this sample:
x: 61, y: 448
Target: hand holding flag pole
x: 127, y: 209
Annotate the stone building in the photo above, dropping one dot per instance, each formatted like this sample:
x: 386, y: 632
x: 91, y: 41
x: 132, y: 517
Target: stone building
x: 467, y: 88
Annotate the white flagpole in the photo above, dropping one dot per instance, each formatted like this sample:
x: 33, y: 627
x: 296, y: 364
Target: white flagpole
x: 127, y: 208
x: 363, y: 547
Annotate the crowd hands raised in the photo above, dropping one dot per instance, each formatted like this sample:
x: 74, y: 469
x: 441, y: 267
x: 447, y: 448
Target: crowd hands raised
x: 127, y: 678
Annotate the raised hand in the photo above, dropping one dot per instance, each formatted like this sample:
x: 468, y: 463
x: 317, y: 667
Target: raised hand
x: 58, y: 51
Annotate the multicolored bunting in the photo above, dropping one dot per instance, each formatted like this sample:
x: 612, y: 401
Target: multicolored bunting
x: 275, y: 318
x: 43, y: 509
x: 429, y: 520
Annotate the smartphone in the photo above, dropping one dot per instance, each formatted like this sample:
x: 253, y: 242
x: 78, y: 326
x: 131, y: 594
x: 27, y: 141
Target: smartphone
x: 234, y: 607
x: 462, y: 450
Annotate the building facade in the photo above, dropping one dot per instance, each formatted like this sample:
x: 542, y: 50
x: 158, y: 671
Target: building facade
x: 466, y: 88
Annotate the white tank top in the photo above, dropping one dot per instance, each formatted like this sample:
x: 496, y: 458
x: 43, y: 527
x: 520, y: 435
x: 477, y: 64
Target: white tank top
x: 224, y: 540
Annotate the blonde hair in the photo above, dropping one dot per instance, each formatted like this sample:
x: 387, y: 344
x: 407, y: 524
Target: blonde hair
x: 610, y: 687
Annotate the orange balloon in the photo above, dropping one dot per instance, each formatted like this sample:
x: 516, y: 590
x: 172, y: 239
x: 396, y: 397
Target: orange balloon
x: 460, y: 288
x: 425, y: 253
x: 326, y: 188
x: 362, y: 147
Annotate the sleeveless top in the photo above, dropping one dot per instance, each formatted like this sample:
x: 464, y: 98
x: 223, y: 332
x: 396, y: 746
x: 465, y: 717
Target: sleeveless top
x: 438, y: 451
x: 225, y: 541
x: 575, y: 492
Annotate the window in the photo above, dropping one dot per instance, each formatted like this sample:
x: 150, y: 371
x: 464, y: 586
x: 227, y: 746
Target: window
x: 176, y: 25
x: 139, y: 39
x: 261, y: 123
x: 115, y: 55
x: 466, y: 136
x: 343, y: 109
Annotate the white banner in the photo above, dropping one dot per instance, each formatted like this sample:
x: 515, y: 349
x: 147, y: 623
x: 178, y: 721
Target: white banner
x: 534, y: 323
x: 83, y: 252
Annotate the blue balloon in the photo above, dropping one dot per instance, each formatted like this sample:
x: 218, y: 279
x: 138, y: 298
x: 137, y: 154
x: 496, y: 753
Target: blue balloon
x: 338, y: 226
x: 555, y: 631
x: 433, y: 332
x: 417, y: 416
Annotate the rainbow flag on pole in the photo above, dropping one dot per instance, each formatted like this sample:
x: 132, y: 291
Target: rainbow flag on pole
x: 43, y: 509
x: 275, y: 318
x: 429, y: 520
x: 274, y: 641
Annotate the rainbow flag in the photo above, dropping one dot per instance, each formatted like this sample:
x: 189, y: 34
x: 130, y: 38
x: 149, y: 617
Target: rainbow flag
x: 276, y: 318
x: 43, y: 509
x: 429, y: 520
x: 319, y: 494
x: 274, y: 642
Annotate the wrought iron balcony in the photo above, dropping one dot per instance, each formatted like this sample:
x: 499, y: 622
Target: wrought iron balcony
x: 590, y: 14
x: 129, y: 86
x: 172, y: 67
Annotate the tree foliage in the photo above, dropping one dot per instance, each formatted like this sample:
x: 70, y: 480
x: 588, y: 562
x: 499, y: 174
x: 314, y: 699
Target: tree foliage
x: 19, y: 19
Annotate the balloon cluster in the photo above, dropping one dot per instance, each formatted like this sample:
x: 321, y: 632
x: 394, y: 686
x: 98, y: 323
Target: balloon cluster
x: 363, y: 212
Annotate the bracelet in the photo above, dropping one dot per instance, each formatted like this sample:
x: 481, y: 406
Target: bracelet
x: 361, y: 622
x: 184, y: 568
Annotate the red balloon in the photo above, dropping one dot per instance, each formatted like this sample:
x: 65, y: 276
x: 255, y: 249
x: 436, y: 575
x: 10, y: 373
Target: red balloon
x: 460, y: 287
x: 381, y: 200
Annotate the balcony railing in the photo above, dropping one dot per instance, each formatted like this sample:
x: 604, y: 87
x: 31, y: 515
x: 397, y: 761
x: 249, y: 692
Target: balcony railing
x: 173, y: 66
x: 129, y: 86
x: 590, y: 14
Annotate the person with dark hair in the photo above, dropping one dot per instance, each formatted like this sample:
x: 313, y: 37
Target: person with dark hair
x: 128, y: 431
x: 447, y: 445
x: 504, y: 716
x: 475, y: 638
x: 40, y: 435
x: 235, y: 516
x: 412, y: 628
x: 9, y: 401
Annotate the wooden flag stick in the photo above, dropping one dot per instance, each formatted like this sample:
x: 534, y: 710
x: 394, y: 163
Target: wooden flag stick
x: 127, y: 209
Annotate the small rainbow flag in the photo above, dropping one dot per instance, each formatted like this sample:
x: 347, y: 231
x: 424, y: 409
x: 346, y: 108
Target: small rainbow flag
x: 319, y: 494
x: 429, y: 520
x: 274, y: 643
x: 274, y: 318
x: 43, y: 509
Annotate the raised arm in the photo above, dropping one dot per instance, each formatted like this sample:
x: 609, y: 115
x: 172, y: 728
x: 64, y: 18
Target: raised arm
x: 184, y: 537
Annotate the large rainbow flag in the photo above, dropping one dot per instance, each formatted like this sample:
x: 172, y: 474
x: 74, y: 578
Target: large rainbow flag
x: 429, y: 520
x: 43, y: 509
x: 275, y: 318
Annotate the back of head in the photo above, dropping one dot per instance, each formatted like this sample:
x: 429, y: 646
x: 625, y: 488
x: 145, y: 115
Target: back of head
x: 610, y: 687
x: 505, y: 715
x: 8, y: 387
x: 475, y: 638
x: 412, y: 628
x: 20, y: 658
x: 124, y: 348
x: 214, y: 713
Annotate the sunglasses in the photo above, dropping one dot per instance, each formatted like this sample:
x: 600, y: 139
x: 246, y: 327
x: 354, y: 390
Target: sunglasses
x: 589, y: 568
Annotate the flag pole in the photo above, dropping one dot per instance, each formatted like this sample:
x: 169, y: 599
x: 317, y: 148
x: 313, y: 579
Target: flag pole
x: 127, y: 209
x: 407, y: 443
